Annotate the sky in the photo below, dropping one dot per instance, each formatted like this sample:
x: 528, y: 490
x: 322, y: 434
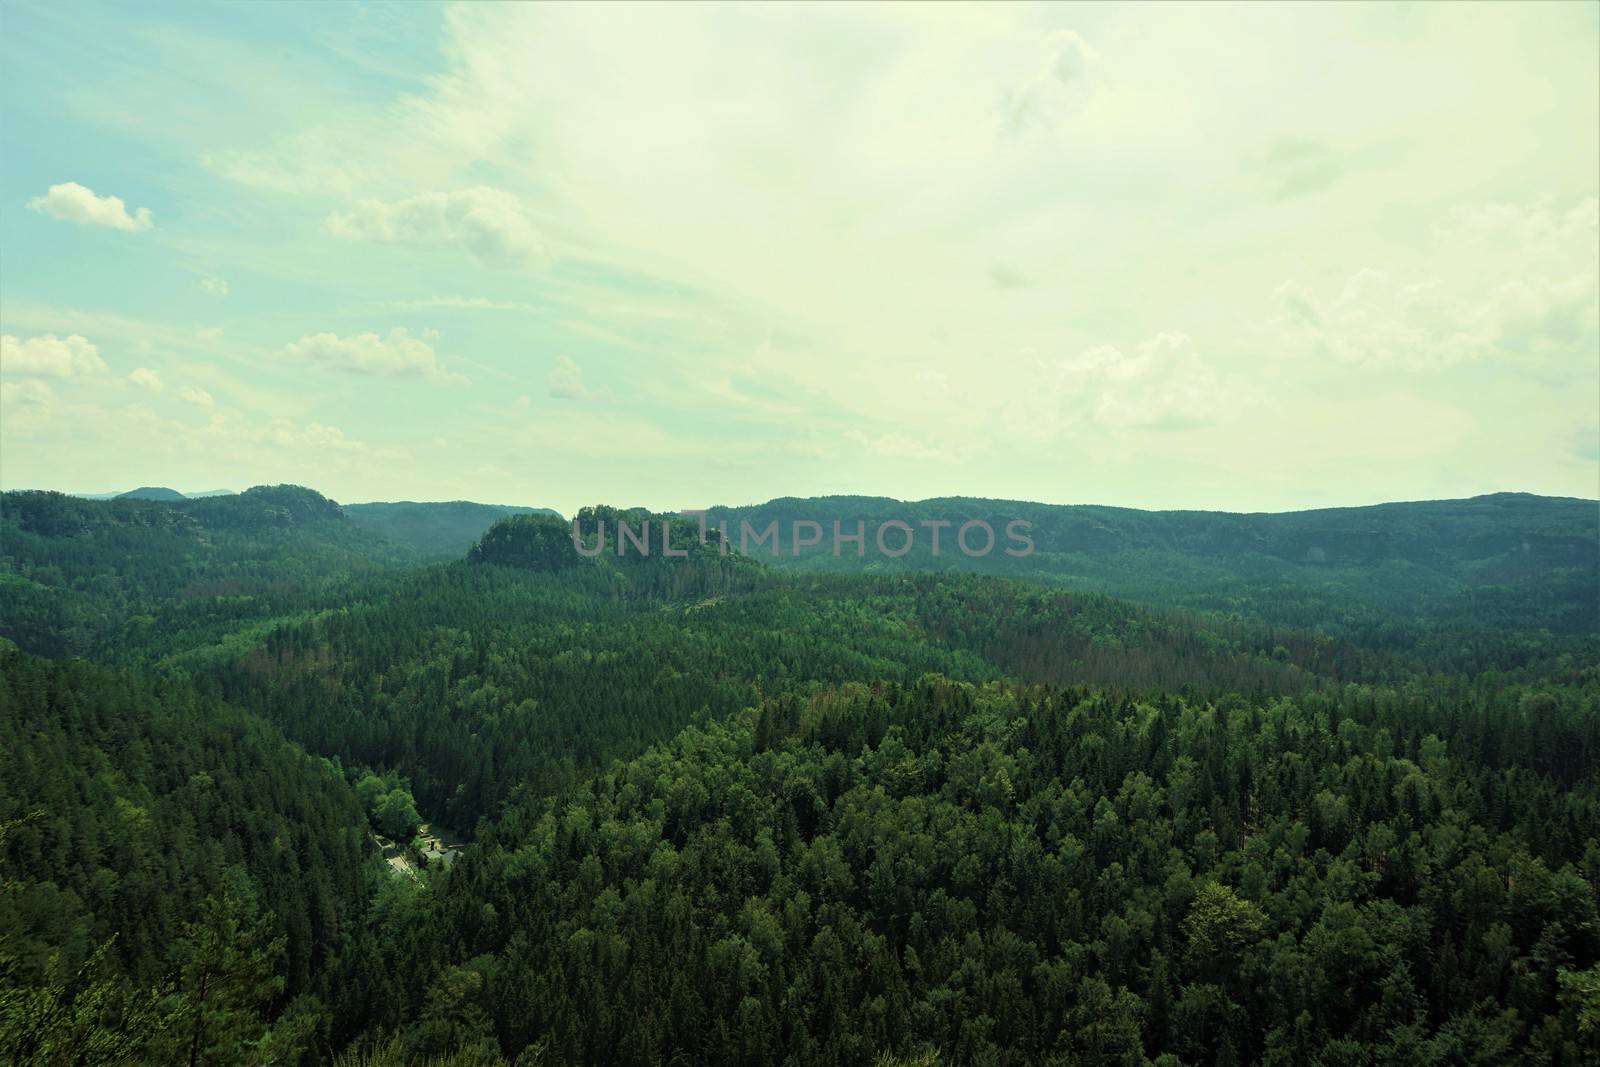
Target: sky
x: 1251, y: 258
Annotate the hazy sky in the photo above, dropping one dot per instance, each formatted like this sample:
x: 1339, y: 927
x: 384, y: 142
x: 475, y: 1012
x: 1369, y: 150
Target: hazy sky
x: 1249, y: 258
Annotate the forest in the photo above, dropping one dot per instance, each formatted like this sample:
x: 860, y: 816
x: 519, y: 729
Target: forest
x: 1178, y: 789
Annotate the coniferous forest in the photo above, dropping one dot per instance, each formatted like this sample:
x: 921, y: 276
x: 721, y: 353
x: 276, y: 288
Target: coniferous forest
x: 282, y: 783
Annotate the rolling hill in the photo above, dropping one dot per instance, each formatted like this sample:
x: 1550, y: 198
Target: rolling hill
x: 1348, y: 570
x: 82, y: 577
x: 434, y: 529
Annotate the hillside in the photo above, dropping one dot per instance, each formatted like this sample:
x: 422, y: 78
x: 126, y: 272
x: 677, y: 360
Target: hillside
x: 94, y: 576
x: 440, y: 529
x: 148, y: 836
x: 994, y: 874
x: 150, y: 492
x: 1356, y: 571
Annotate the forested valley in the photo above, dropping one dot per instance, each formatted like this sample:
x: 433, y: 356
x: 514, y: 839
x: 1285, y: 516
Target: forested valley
x: 279, y: 784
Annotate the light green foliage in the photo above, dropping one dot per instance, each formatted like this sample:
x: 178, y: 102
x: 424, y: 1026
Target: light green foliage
x: 1219, y: 923
x: 396, y: 815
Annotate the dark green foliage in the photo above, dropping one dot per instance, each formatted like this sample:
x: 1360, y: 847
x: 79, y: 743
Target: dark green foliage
x: 635, y: 541
x: 150, y: 492
x: 1386, y: 574
x: 1032, y: 876
x: 389, y: 806
x: 103, y: 577
x: 528, y: 542
x: 126, y: 805
x: 478, y: 680
x: 229, y: 974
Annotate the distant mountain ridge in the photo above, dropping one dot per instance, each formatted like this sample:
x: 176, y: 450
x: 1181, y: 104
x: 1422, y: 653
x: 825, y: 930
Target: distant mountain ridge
x: 1562, y: 528
x: 74, y: 572
x: 155, y: 492
x: 444, y: 528
x: 37, y: 510
x: 429, y: 528
x: 1505, y: 559
x: 1503, y: 554
x: 151, y: 492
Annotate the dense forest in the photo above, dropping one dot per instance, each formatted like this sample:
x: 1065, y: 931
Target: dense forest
x: 1389, y: 572
x: 105, y: 578
x: 172, y: 872
x: 1179, y: 788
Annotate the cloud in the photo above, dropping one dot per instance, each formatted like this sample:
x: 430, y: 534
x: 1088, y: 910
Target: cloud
x: 284, y: 433
x: 317, y: 162
x: 72, y: 202
x: 1539, y: 309
x: 215, y: 286
x: 488, y: 223
x: 50, y: 355
x: 751, y: 405
x: 566, y: 380
x: 894, y: 445
x: 1299, y: 303
x: 30, y: 392
x: 1073, y: 59
x: 198, y: 397
x: 1164, y: 384
x: 1060, y: 85
x: 1288, y: 167
x: 399, y: 355
x: 331, y: 438
x: 145, y: 378
x: 1004, y: 277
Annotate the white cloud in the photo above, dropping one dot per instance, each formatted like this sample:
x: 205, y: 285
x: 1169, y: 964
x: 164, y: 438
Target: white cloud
x: 145, y: 378
x: 488, y: 223
x: 50, y: 355
x: 1074, y: 57
x: 398, y: 355
x: 893, y: 445
x: 748, y: 405
x: 198, y: 397
x: 566, y: 380
x: 215, y: 286
x: 29, y: 392
x: 331, y: 438
x: 1512, y: 283
x: 1293, y: 166
x: 1060, y: 85
x: 316, y: 436
x: 1164, y: 384
x: 76, y: 203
